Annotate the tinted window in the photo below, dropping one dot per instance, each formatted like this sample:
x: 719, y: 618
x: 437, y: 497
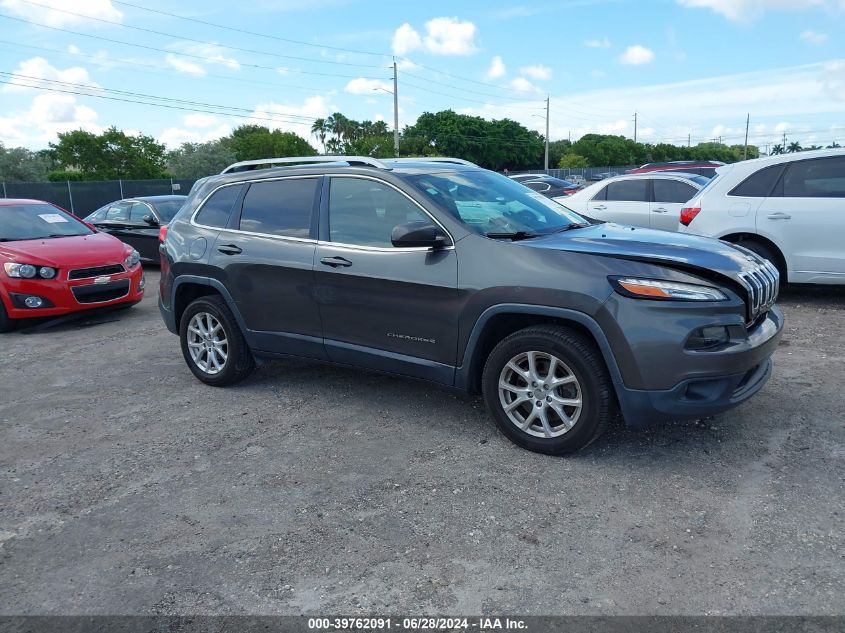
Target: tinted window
x: 364, y: 212
x: 628, y: 190
x: 672, y: 190
x: 215, y: 211
x: 98, y: 215
x: 167, y: 209
x: 538, y: 186
x: 137, y: 212
x: 280, y: 207
x: 758, y: 184
x: 819, y: 178
x: 601, y: 195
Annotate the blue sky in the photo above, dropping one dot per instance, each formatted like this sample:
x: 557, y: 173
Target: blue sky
x: 687, y: 67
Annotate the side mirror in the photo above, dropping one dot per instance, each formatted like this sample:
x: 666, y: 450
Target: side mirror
x: 150, y: 220
x: 418, y: 235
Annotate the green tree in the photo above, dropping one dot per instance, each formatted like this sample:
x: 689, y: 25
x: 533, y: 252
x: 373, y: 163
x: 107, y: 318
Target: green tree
x: 320, y: 130
x: 573, y: 161
x: 777, y: 149
x: 834, y: 145
x: 18, y: 164
x: 252, y: 142
x: 110, y: 155
x: 793, y: 147
x: 195, y: 160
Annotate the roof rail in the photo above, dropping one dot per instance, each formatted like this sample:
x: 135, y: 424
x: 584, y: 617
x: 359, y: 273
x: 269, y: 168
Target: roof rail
x: 434, y: 159
x: 247, y: 165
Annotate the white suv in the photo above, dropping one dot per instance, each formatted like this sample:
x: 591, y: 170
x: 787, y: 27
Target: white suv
x: 789, y: 209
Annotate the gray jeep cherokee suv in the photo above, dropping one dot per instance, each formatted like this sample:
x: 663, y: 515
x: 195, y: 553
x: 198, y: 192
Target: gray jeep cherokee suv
x: 443, y: 271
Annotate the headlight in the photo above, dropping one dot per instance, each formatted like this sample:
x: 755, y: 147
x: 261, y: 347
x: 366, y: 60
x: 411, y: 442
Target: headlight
x: 672, y: 290
x: 133, y: 258
x: 28, y: 271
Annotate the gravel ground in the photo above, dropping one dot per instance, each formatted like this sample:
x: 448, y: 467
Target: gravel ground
x: 128, y: 487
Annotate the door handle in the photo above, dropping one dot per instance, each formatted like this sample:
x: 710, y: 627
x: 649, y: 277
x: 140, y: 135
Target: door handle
x: 600, y: 207
x: 660, y: 210
x: 779, y: 216
x: 230, y: 249
x: 336, y: 262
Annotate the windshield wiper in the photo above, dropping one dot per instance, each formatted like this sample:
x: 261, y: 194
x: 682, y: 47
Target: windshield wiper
x: 569, y: 227
x: 513, y: 236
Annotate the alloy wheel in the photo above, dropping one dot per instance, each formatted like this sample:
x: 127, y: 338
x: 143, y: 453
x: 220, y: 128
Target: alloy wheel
x: 207, y: 343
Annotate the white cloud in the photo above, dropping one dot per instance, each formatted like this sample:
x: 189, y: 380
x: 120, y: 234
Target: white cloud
x: 183, y: 65
x: 102, y: 9
x: 48, y: 115
x: 814, y: 37
x: 199, y: 58
x: 497, y: 68
x: 406, y: 64
x: 637, y: 55
x: 31, y: 71
x: 173, y: 137
x: 406, y: 39
x: 521, y: 84
x: 537, y: 71
x: 364, y: 86
x: 449, y: 36
x: 746, y: 10
x: 443, y: 36
x: 199, y: 119
x: 602, y: 43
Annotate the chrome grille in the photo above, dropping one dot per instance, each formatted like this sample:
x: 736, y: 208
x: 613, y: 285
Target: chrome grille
x: 762, y: 285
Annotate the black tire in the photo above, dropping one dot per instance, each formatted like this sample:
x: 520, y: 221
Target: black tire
x: 6, y: 324
x: 582, y: 360
x: 766, y: 252
x: 239, y: 362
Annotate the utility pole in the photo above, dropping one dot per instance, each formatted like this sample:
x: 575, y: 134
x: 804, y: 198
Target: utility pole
x: 747, y: 122
x: 689, y: 139
x: 395, y: 110
x: 547, y: 134
x: 635, y: 127
x: 784, y: 141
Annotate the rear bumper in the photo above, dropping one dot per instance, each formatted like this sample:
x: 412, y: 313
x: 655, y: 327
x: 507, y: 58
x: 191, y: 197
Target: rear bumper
x: 168, y: 317
x: 696, y: 396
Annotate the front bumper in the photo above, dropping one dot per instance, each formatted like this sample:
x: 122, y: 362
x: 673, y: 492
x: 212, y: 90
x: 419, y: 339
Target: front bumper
x: 733, y: 377
x: 61, y: 296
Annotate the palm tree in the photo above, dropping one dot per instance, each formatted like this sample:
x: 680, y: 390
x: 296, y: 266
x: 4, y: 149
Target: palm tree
x: 777, y: 149
x: 319, y: 129
x: 834, y: 145
x: 794, y: 146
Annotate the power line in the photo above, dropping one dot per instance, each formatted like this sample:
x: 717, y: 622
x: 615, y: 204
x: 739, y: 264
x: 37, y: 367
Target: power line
x: 170, y: 52
x: 246, y: 32
x: 196, y: 41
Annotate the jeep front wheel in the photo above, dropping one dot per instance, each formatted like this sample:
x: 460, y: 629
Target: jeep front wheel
x: 548, y: 389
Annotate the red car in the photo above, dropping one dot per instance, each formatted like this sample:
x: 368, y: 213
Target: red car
x: 54, y: 264
x: 701, y: 167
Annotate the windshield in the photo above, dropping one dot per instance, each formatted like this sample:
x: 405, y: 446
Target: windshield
x: 37, y: 221
x: 167, y: 209
x: 489, y: 203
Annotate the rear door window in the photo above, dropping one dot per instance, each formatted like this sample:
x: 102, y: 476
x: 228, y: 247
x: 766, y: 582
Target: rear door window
x: 118, y: 212
x: 137, y: 212
x: 759, y: 184
x: 215, y: 212
x: 628, y: 190
x: 817, y: 178
x: 280, y: 207
x: 672, y: 191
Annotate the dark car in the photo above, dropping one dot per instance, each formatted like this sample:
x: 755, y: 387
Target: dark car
x: 462, y: 277
x: 549, y: 186
x: 701, y: 167
x: 603, y: 176
x: 137, y: 221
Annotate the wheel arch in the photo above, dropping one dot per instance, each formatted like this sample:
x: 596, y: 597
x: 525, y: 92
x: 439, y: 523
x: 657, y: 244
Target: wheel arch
x: 189, y: 288
x: 498, y: 322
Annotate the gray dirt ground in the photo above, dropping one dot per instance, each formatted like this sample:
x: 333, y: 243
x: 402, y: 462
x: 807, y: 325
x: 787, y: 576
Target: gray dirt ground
x: 129, y: 487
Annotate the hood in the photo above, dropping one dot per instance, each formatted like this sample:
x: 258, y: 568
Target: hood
x: 78, y: 251
x: 648, y: 245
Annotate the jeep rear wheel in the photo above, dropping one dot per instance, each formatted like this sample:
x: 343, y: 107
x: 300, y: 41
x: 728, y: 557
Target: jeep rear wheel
x: 212, y: 343
x: 548, y: 389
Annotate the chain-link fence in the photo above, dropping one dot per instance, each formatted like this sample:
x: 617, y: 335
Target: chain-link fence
x: 84, y: 197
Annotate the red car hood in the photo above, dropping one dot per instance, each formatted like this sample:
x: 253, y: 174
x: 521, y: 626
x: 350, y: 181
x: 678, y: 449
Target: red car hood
x: 61, y: 252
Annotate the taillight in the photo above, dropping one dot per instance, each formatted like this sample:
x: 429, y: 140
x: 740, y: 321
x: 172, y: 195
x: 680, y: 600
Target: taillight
x: 162, y: 233
x: 688, y: 214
